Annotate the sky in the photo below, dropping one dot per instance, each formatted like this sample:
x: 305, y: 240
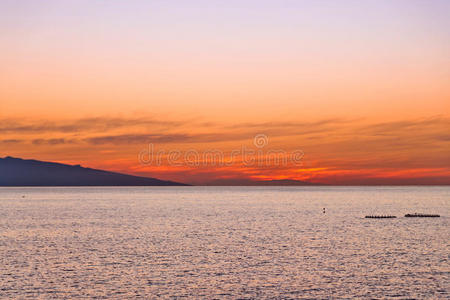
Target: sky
x: 360, y: 88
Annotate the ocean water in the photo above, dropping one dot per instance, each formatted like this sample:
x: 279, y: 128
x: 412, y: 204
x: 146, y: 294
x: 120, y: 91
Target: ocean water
x: 224, y: 242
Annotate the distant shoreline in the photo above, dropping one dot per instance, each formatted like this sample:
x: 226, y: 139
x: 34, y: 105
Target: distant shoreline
x: 191, y: 185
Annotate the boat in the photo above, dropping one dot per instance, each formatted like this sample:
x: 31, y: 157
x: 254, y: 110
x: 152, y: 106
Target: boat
x: 417, y: 215
x: 380, y: 217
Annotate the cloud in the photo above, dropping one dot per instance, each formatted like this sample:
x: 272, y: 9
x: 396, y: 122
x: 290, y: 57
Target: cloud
x: 319, y: 123
x: 347, y: 151
x: 81, y: 125
x: 161, y: 138
x: 405, y: 126
x: 10, y: 141
x: 138, y: 139
x: 58, y: 141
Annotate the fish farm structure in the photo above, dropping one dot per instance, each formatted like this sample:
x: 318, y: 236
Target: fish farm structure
x: 416, y: 215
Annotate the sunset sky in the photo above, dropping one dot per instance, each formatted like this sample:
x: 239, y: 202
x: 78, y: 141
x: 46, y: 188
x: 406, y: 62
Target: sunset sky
x: 362, y: 88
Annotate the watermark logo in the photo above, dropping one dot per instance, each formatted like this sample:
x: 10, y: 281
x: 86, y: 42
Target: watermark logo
x: 260, y: 140
x: 257, y: 155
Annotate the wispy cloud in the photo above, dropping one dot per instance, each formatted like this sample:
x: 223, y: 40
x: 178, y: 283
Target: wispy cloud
x: 10, y: 141
x: 161, y: 138
x: 58, y: 141
x: 80, y: 125
x: 319, y: 123
x: 336, y: 150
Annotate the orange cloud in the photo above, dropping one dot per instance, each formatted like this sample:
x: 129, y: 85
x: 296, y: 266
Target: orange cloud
x: 337, y: 151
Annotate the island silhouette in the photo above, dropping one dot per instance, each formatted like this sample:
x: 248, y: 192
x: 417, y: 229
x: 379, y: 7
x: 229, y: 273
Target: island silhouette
x: 28, y: 172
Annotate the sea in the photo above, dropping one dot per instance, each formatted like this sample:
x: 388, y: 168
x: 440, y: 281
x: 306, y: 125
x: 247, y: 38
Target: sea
x: 224, y: 243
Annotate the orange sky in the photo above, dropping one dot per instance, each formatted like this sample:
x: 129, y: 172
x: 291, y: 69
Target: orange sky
x: 362, y: 89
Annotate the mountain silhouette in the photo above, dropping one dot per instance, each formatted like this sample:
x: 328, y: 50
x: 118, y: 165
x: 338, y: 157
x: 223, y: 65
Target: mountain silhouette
x: 21, y: 172
x: 249, y: 182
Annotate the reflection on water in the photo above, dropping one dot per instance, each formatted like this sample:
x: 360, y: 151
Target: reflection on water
x: 223, y: 242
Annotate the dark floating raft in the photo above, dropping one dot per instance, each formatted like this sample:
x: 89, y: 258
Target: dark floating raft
x: 381, y: 217
x: 416, y: 215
